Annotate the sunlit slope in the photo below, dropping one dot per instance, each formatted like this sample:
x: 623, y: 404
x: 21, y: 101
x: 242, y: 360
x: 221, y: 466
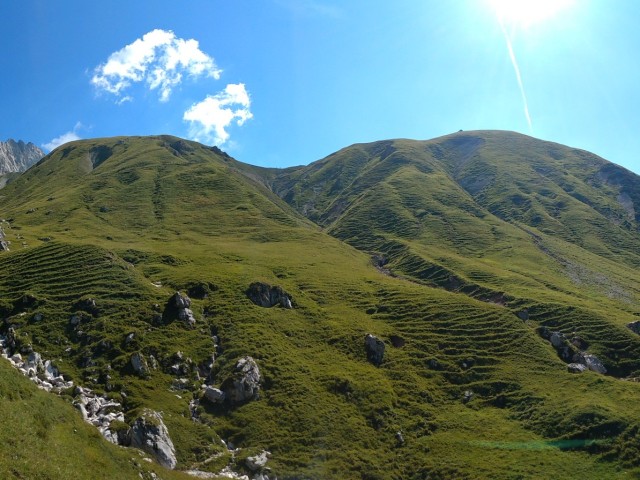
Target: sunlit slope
x: 499, y: 216
x: 324, y: 411
x: 159, y: 214
x: 44, y: 437
x: 132, y: 187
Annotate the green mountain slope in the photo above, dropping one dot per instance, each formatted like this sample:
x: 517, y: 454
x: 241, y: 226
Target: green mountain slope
x: 499, y: 216
x: 106, y: 231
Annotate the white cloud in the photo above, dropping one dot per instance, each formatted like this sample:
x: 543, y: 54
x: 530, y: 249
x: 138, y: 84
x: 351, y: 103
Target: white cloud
x: 64, y: 138
x: 210, y: 118
x: 160, y: 59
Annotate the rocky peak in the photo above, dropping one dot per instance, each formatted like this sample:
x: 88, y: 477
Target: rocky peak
x: 18, y: 156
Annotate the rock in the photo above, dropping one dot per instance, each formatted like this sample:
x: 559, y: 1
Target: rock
x: 34, y: 361
x: 101, y: 412
x: 186, y: 315
x: 205, y: 368
x: 214, y: 395
x: 193, y: 408
x: 576, y: 368
x: 634, y: 326
x: 557, y: 339
x: 244, y: 384
x: 523, y: 314
x: 257, y: 462
x: 178, y: 306
x: 179, y: 301
x: 75, y: 320
x: 374, y: 348
x: 544, y: 332
x: 16, y: 358
x: 467, y: 396
x: 180, y: 384
x: 50, y: 372
x: 83, y: 411
x: 139, y: 364
x: 264, y: 295
x: 589, y: 360
x: 180, y: 367
x: 129, y: 338
x: 11, y: 341
x: 260, y: 476
x: 150, y: 434
x: 38, y: 317
x: 46, y: 386
x: 579, y: 342
x: 153, y: 362
x: 399, y: 437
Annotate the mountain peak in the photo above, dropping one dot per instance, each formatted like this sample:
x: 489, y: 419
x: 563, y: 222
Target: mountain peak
x: 17, y: 156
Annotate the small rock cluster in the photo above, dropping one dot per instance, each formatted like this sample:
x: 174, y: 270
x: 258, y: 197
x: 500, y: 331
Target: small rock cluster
x: 571, y: 351
x: 182, y: 303
x: 43, y: 373
x: 99, y: 411
x: 264, y: 295
x: 590, y: 361
x: 258, y: 465
x: 147, y: 433
x: 240, y: 387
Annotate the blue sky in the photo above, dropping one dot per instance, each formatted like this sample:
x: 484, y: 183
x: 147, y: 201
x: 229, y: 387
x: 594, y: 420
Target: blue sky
x: 287, y: 82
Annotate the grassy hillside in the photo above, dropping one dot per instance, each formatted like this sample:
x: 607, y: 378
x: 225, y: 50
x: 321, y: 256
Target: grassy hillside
x: 43, y: 437
x: 466, y: 388
x: 498, y: 216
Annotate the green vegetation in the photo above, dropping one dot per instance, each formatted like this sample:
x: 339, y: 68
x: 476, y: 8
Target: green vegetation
x: 468, y: 231
x: 43, y: 437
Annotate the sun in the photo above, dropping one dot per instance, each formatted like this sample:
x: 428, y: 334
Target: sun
x: 527, y: 12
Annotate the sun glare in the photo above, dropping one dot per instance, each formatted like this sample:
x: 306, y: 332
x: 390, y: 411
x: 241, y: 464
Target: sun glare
x: 528, y: 12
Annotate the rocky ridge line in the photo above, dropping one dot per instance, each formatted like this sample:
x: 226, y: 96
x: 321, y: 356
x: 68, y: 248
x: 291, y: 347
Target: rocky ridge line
x: 18, y: 156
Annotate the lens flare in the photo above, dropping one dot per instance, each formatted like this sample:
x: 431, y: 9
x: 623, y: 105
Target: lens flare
x: 528, y: 12
x: 516, y: 69
x: 514, y: 14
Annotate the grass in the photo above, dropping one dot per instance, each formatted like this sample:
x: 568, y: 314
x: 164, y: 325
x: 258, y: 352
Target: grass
x: 43, y: 437
x: 128, y: 221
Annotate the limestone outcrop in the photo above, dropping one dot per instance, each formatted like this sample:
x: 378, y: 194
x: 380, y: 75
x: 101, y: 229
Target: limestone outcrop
x: 265, y: 295
x: 244, y: 384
